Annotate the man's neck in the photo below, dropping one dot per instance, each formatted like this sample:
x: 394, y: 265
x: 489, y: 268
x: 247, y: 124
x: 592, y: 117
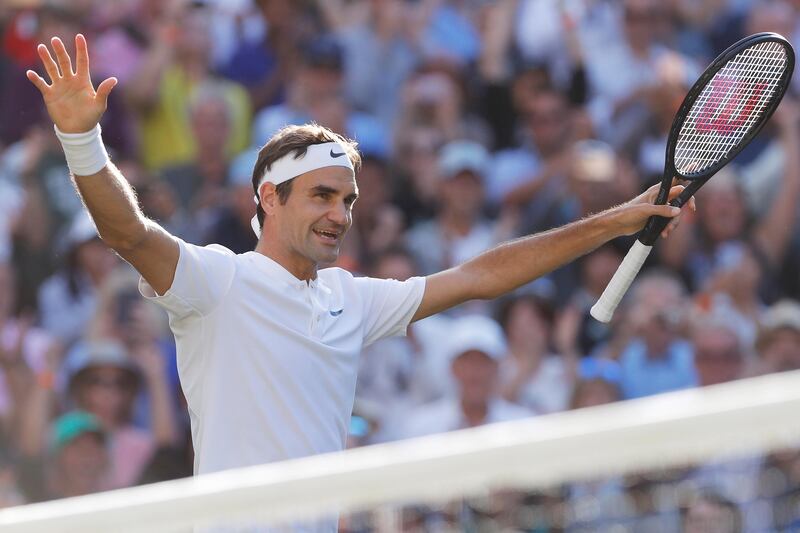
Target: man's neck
x: 299, y: 267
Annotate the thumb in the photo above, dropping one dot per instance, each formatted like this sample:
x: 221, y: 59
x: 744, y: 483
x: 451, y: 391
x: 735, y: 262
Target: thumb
x: 104, y: 89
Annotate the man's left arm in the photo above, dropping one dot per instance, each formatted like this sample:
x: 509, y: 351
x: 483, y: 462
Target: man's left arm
x: 513, y: 264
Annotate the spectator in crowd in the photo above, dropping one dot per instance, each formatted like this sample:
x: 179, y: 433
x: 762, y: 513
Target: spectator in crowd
x: 23, y: 349
x: 778, y: 343
x: 265, y: 66
x: 199, y: 183
x: 475, y: 348
x: 598, y: 382
x: 435, y: 96
x: 315, y: 93
x: 75, y: 460
x: 576, y: 333
x: 104, y: 380
x: 780, y: 477
x: 657, y: 358
x: 178, y: 62
x: 160, y: 201
x: 532, y: 177
x: 229, y: 220
x: 380, y: 49
x: 68, y: 299
x: 403, y: 373
x: 460, y: 231
x: 531, y: 373
x: 623, y: 73
x: 719, y: 352
x: 710, y: 511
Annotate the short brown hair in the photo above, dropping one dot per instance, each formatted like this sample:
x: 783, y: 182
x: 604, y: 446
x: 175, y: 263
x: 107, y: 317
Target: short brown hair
x: 296, y: 139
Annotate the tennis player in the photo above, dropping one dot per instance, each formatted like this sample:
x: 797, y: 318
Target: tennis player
x: 268, y: 344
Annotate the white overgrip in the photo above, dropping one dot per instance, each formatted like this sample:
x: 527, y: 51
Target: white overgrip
x: 603, y: 310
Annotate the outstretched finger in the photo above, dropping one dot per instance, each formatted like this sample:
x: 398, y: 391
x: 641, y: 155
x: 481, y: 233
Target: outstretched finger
x: 64, y: 62
x: 81, y: 56
x: 38, y: 81
x: 104, y: 89
x: 48, y: 62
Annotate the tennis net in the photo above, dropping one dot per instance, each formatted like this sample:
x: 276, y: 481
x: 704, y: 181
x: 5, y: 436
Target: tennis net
x: 721, y: 458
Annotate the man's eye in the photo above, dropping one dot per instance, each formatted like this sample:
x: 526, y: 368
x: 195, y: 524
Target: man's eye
x: 323, y: 195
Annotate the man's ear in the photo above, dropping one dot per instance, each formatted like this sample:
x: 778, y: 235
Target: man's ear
x: 269, y: 198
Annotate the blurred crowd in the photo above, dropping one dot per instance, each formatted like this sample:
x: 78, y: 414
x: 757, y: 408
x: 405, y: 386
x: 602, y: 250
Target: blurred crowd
x: 478, y: 121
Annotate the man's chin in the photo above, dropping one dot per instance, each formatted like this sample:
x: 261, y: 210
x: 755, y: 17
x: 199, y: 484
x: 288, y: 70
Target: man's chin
x: 327, y: 257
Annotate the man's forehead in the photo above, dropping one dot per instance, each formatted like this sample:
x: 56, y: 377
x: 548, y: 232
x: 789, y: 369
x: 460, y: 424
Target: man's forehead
x: 339, y: 178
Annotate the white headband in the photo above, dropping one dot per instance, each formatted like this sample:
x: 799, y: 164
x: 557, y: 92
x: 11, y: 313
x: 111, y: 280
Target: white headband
x: 330, y: 154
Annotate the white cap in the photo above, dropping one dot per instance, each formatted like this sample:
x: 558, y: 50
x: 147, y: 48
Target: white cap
x: 463, y: 156
x: 475, y: 332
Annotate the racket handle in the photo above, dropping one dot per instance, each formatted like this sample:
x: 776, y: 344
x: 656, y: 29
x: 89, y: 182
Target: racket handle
x: 603, y: 310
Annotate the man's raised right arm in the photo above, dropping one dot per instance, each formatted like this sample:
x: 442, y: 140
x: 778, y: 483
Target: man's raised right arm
x: 75, y: 108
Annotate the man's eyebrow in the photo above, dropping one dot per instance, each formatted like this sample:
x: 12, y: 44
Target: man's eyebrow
x: 323, y: 188
x: 330, y: 190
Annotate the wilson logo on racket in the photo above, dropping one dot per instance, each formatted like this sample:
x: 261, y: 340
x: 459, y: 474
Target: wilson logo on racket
x: 734, y: 90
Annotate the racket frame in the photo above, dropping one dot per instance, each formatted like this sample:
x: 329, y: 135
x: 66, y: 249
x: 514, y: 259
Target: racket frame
x: 656, y: 224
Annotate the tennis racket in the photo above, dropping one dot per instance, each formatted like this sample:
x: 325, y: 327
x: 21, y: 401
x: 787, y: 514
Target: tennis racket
x: 722, y: 112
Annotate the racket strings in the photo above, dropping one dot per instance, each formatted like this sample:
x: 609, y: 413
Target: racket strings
x: 729, y: 106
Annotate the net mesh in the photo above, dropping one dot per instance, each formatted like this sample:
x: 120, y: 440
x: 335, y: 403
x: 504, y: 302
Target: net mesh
x: 719, y: 459
x: 729, y: 106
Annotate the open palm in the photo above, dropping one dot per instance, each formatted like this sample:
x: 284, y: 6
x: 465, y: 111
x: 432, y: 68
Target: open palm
x: 71, y: 100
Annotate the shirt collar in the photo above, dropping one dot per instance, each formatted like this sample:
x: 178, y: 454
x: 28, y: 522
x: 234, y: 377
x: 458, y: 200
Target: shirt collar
x: 276, y: 271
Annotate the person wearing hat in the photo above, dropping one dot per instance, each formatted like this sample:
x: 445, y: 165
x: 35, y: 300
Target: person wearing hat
x: 75, y: 461
x: 475, y: 347
x: 78, y: 449
x: 460, y: 230
x: 778, y: 342
x: 104, y: 381
x: 268, y: 342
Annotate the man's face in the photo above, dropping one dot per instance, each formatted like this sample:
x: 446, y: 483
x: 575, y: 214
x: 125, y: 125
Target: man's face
x: 717, y: 356
x: 105, y: 391
x: 548, y: 121
x: 476, y: 374
x: 210, y: 124
x: 317, y: 214
x: 782, y: 352
x: 83, y: 463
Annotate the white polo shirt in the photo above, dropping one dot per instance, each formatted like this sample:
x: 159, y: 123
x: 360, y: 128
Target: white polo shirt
x: 268, y: 362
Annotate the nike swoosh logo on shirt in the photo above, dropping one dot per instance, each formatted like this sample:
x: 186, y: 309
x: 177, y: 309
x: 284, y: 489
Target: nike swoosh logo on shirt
x: 334, y: 154
x: 336, y: 313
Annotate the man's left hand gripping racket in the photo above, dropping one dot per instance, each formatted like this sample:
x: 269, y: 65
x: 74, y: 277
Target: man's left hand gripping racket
x: 725, y: 108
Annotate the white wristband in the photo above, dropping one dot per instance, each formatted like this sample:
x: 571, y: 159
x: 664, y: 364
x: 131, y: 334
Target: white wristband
x: 85, y: 152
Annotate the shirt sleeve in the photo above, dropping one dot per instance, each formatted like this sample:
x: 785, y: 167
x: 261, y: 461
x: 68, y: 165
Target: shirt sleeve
x: 202, y: 278
x: 389, y: 305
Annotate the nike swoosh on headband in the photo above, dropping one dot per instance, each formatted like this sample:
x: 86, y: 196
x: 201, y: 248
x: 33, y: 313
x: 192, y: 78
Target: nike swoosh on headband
x: 334, y: 154
x: 336, y: 313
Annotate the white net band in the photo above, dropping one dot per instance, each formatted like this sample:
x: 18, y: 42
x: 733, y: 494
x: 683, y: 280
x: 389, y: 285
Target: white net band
x: 694, y: 425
